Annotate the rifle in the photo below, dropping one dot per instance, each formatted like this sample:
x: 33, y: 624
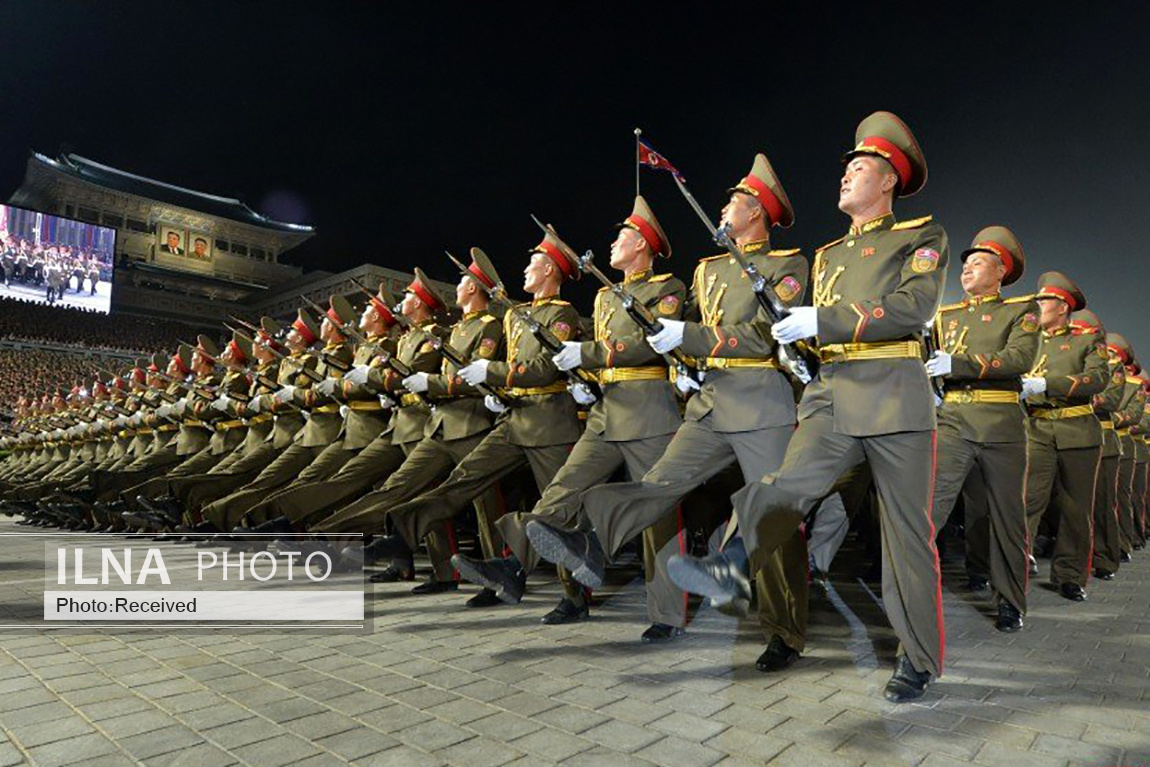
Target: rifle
x: 401, y: 368
x: 637, y: 310
x: 798, y: 357
x: 577, y: 376
x: 929, y: 344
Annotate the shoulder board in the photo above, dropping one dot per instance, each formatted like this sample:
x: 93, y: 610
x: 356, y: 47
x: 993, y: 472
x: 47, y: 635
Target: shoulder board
x: 1019, y: 299
x: 661, y: 277
x: 713, y: 258
x: 914, y: 223
x: 487, y: 318
x: 831, y: 244
x: 952, y: 307
x: 784, y: 252
x: 604, y: 289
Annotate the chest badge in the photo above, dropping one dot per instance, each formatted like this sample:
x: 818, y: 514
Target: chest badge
x: 924, y: 261
x: 986, y: 318
x: 869, y: 251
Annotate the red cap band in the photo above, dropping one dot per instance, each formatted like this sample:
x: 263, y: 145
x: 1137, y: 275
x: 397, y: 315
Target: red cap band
x: 383, y: 310
x: 765, y: 196
x: 892, y: 154
x: 333, y: 315
x: 266, y: 339
x: 1121, y: 354
x: 480, y: 275
x: 654, y: 241
x: 180, y: 364
x: 1052, y: 292
x: 302, y: 328
x: 1002, y: 253
x: 551, y: 251
x: 424, y: 295
x: 237, y: 352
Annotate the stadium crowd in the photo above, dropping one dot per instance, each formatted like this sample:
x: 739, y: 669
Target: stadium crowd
x: 34, y: 322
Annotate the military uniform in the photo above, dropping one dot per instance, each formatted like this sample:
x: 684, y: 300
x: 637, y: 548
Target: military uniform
x: 537, y: 430
x: 744, y: 411
x: 981, y: 425
x: 1141, y: 432
x: 1065, y: 444
x: 1127, y: 510
x: 874, y: 289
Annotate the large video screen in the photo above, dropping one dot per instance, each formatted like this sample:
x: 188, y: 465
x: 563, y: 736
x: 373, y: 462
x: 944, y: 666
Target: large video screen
x: 55, y: 260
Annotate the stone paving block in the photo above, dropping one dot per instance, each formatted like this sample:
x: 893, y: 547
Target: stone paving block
x: 480, y: 752
x: 636, y: 711
x: 674, y: 751
x: 400, y: 756
x: 136, y: 723
x: 621, y: 736
x: 995, y: 755
x: 10, y: 755
x: 242, y: 732
x: 203, y: 755
x: 931, y: 741
x: 803, y: 755
x: 1075, y: 750
x: 394, y: 718
x: 358, y: 703
x: 461, y: 711
x: 320, y: 725
x: 356, y: 744
x: 434, y: 735
x: 573, y: 719
x: 277, y: 751
x: 215, y: 716
x: 32, y: 735
x: 150, y: 744
x: 505, y: 726
x: 1007, y: 735
x: 552, y: 744
x: 73, y: 750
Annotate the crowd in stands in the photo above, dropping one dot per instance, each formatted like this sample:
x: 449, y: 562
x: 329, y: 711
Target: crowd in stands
x: 34, y: 322
x: 28, y: 372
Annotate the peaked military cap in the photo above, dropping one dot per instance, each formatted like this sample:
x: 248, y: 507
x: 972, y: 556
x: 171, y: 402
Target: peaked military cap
x: 240, y: 347
x: 763, y: 184
x: 1086, y: 320
x: 643, y: 221
x: 884, y: 135
x: 384, y: 301
x: 306, y: 327
x: 1058, y: 285
x: 207, y: 347
x: 564, y: 256
x: 425, y: 291
x: 1120, y: 346
x: 1001, y: 242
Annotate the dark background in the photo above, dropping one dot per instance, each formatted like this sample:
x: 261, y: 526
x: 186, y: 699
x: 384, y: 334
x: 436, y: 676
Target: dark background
x: 399, y: 129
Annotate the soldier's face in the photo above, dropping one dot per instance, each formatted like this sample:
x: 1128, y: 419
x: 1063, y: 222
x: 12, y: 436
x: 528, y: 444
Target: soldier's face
x: 982, y: 273
x: 262, y: 353
x: 866, y: 180
x: 328, y: 331
x: 464, y: 290
x: 295, y: 341
x: 539, y: 268
x: 1052, y: 312
x: 370, y: 317
x: 740, y: 212
x: 626, y: 248
x: 411, y: 304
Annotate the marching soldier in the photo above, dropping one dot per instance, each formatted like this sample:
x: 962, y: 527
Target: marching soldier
x: 539, y: 431
x: 629, y: 427
x: 1127, y: 508
x: 364, y: 443
x: 458, y: 424
x: 1141, y: 434
x: 744, y: 411
x: 1065, y: 444
x: 874, y: 289
x: 987, y: 344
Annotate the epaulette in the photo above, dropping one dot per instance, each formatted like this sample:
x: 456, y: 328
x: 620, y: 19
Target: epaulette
x: 556, y: 302
x: 488, y: 318
x: 784, y: 252
x: 952, y: 307
x: 1019, y: 299
x: 661, y: 277
x: 712, y: 258
x: 830, y: 244
x: 914, y: 223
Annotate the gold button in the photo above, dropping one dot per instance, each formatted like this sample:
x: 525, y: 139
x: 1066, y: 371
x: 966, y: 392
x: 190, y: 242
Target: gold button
x: 850, y: 243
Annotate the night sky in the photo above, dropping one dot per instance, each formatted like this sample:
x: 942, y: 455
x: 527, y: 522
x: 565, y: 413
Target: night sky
x: 398, y: 129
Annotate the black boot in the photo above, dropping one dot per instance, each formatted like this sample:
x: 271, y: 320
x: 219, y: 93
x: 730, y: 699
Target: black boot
x: 714, y: 576
x: 503, y: 576
x: 578, y: 551
x: 661, y: 633
x: 1073, y: 592
x: 566, y: 612
x: 906, y: 683
x: 1009, y: 619
x: 777, y: 656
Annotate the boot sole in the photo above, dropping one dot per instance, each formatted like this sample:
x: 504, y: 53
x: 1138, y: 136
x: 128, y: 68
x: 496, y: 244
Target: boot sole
x: 553, y: 548
x: 469, y: 572
x: 693, y: 579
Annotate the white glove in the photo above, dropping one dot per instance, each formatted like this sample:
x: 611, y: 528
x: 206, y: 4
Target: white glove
x: 163, y: 411
x: 582, y: 393
x: 937, y: 399
x: 120, y: 421
x: 285, y: 394
x: 670, y: 337
x: 357, y: 376
x: 570, y: 357
x: 181, y: 403
x: 221, y: 403
x: 136, y: 418
x: 343, y: 411
x: 476, y: 373
x: 802, y: 322
x: 1033, y: 386
x: 416, y: 383
x: 255, y: 404
x: 685, y: 383
x: 492, y: 404
x: 938, y: 364
x: 326, y: 387
x: 386, y: 402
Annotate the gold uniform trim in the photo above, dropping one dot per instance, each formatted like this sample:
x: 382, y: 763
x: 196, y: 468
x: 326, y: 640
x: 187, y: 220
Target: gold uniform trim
x: 358, y: 404
x: 329, y: 408
x: 1060, y: 413
x: 877, y: 350
x: 617, y: 375
x: 225, y: 425
x: 531, y: 391
x: 1107, y: 425
x: 719, y: 363
x: 981, y: 396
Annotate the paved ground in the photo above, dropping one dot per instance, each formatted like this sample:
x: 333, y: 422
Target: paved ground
x: 435, y: 684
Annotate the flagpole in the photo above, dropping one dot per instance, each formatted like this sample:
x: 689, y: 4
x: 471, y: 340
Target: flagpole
x: 638, y: 133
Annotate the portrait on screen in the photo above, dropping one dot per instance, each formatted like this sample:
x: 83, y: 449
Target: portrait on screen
x: 200, y: 247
